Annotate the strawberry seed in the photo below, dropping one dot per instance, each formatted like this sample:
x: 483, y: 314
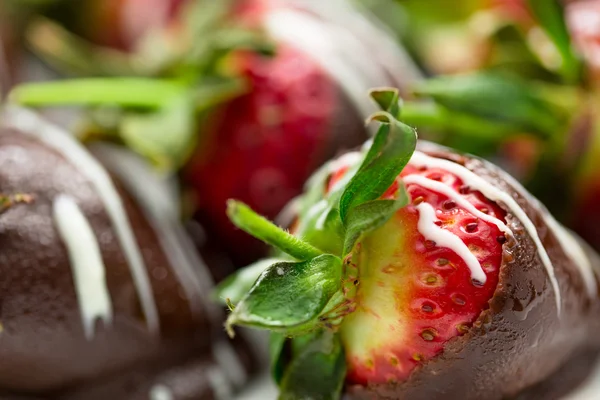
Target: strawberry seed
x: 428, y: 334
x: 471, y: 227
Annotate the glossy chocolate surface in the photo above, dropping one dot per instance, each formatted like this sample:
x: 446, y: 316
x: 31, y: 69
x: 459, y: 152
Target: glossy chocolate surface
x: 520, y: 341
x: 44, y: 350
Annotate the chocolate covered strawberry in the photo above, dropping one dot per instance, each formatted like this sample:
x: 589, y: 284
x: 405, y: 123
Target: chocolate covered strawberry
x: 281, y: 115
x: 410, y: 273
x: 426, y: 276
x: 103, y: 295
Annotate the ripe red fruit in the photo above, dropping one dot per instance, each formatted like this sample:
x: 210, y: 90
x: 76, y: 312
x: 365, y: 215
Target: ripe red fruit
x: 416, y: 274
x: 415, y: 295
x: 262, y: 146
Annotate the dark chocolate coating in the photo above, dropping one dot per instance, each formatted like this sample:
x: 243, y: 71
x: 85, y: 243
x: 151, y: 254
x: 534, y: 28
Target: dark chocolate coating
x: 520, y: 341
x: 43, y: 349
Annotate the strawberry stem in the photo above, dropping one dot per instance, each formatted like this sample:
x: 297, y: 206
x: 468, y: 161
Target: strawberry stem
x: 136, y: 92
x: 261, y: 228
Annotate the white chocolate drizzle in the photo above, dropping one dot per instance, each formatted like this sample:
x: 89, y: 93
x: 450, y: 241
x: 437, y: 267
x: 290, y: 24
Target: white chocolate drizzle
x: 457, y: 198
x: 342, y: 39
x: 445, y: 238
x: 228, y: 361
x: 570, y: 245
x: 219, y: 384
x: 159, y: 208
x: 73, y: 151
x: 574, y: 250
x: 161, y: 392
x: 89, y: 274
x: 493, y: 193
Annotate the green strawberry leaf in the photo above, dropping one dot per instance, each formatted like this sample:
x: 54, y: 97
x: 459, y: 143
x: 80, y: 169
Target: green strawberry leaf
x: 235, y: 286
x: 247, y: 220
x: 500, y: 99
x: 391, y: 150
x: 166, y: 137
x: 288, y: 297
x: 438, y: 119
x: 550, y: 14
x: 388, y: 99
x: 318, y: 372
x: 143, y: 93
x: 277, y: 343
x: 370, y: 216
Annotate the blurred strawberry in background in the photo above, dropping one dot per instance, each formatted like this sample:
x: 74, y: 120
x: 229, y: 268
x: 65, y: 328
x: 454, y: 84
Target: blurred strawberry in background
x: 294, y: 75
x: 543, y: 55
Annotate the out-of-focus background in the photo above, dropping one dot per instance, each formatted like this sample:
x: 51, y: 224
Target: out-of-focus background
x: 245, y: 99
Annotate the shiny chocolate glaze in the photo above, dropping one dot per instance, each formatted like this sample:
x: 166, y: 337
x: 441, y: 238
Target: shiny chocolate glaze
x: 44, y: 350
x: 520, y: 342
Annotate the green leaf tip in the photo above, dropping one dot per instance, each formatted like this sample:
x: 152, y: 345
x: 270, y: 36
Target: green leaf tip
x: 392, y: 148
x: 247, y: 220
x: 317, y: 371
x: 388, y: 99
x: 288, y: 297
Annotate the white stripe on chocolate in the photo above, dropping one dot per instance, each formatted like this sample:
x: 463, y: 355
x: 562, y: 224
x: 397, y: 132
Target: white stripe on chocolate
x: 447, y: 239
x: 160, y: 209
x: 573, y: 249
x: 28, y: 122
x: 567, y: 240
x: 221, y: 388
x: 342, y: 39
x: 86, y: 263
x: 161, y: 392
x: 493, y: 193
x: 325, y: 45
x: 449, y: 192
x: 228, y: 361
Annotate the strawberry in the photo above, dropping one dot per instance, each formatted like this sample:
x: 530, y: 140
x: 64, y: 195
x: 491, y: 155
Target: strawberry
x: 408, y: 273
x: 264, y: 144
x: 415, y: 295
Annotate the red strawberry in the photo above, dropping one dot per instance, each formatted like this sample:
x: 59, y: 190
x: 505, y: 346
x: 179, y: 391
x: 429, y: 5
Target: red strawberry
x: 262, y: 146
x: 265, y: 144
x: 414, y: 294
